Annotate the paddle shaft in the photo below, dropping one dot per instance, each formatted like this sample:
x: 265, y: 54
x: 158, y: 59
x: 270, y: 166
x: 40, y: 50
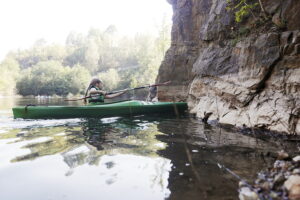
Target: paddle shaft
x: 125, y: 90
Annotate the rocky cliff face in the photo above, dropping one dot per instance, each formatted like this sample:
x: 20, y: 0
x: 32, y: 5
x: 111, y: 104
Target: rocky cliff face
x: 245, y: 74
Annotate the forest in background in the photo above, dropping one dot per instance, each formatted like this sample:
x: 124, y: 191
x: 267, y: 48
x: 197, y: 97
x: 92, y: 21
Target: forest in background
x: 53, y: 69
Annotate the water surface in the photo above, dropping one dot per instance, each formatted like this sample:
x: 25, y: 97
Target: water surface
x: 124, y: 158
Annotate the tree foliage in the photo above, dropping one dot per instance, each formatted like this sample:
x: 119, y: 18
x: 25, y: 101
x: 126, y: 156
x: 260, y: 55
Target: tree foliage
x: 121, y: 61
x: 50, y: 77
x: 110, y: 78
x: 9, y: 72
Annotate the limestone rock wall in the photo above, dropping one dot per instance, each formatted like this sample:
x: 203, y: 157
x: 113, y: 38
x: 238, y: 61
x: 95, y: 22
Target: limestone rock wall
x: 250, y: 79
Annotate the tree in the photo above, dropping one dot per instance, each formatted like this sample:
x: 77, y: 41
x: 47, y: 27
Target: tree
x: 91, y: 56
x: 111, y: 30
x: 75, y: 57
x: 111, y: 79
x: 78, y: 78
x: 163, y: 40
x: 75, y: 39
x: 9, y: 71
x: 121, y: 62
x: 50, y: 77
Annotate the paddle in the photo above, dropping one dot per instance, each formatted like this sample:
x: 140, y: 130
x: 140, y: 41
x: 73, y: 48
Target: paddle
x: 124, y: 90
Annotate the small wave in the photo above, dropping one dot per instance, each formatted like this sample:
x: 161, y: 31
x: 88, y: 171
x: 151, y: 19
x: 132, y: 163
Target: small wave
x: 110, y: 120
x: 5, y: 112
x: 21, y: 123
x: 3, y: 131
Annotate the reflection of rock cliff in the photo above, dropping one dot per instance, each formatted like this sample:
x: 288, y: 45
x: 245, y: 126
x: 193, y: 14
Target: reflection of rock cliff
x: 199, y: 134
x: 195, y: 149
x: 244, y: 74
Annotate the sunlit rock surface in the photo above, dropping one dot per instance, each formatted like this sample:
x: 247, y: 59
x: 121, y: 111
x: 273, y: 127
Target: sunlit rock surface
x: 245, y: 75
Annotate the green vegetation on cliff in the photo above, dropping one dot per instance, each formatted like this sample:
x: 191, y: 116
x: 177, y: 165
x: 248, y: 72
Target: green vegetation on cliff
x: 243, y: 8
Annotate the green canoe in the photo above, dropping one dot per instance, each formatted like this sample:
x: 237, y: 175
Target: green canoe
x: 125, y: 108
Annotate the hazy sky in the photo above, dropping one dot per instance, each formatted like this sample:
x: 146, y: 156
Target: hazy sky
x: 24, y: 21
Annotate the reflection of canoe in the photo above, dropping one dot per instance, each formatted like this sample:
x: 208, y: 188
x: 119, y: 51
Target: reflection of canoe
x: 102, y: 110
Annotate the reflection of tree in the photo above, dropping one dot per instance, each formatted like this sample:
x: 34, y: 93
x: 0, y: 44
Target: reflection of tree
x: 123, y: 135
x: 58, y: 139
x: 120, y: 136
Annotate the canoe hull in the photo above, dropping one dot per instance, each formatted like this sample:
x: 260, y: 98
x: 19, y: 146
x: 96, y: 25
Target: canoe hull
x: 128, y: 108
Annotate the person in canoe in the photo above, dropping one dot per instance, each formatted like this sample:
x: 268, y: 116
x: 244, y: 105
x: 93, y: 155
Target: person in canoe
x: 152, y: 95
x: 96, y: 92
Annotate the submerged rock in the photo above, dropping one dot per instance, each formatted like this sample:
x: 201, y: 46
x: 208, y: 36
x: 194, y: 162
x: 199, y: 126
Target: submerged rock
x: 282, y: 155
x: 296, y: 159
x: 292, y: 184
x: 280, y: 182
x: 246, y: 193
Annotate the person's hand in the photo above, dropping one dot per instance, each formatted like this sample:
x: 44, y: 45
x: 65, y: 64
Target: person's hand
x: 120, y: 93
x: 102, y: 92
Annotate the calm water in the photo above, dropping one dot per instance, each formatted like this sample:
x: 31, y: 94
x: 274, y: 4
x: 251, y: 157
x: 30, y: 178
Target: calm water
x: 124, y: 158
